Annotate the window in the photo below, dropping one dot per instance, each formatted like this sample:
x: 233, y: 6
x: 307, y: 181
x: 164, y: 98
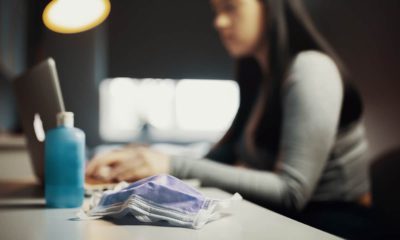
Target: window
x: 166, y: 110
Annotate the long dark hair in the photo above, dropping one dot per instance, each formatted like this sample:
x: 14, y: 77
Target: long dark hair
x: 290, y: 30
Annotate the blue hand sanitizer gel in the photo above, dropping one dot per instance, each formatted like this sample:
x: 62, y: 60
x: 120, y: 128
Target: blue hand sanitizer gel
x: 64, y: 164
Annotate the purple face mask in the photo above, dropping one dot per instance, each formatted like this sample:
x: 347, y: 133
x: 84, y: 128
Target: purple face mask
x: 161, y: 197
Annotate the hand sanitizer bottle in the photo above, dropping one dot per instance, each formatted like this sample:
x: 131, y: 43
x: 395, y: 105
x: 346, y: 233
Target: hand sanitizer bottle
x: 64, y: 164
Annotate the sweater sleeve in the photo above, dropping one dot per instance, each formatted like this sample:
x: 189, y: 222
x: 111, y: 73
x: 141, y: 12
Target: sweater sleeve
x: 312, y: 101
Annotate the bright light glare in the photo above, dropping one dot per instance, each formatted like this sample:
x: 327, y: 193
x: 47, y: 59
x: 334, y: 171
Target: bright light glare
x: 181, y: 108
x: 72, y: 16
x: 157, y: 101
x: 206, y: 105
x: 119, y: 110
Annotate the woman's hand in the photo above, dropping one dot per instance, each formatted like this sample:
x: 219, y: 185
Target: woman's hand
x: 128, y: 164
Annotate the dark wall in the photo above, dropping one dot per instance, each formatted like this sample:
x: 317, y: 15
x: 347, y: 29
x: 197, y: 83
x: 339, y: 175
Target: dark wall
x: 165, y: 39
x: 366, y: 34
x: 8, y: 113
x: 13, y: 28
x: 13, y: 16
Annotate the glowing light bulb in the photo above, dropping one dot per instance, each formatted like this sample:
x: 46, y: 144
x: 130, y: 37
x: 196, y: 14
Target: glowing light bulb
x: 73, y: 16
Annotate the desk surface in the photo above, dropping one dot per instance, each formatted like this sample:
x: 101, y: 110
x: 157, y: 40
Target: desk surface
x: 28, y: 219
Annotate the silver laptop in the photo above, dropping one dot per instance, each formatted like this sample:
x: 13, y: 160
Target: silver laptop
x: 39, y: 99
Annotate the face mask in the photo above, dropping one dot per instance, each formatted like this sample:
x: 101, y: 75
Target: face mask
x: 159, y: 198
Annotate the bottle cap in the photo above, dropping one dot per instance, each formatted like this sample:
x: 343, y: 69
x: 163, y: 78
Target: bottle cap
x: 65, y: 119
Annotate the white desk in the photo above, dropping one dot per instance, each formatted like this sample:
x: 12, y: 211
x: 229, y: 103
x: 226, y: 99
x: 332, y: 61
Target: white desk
x: 28, y: 219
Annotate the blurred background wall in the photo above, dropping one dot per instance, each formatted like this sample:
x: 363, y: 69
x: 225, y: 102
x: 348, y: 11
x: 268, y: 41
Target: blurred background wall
x: 13, y: 54
x: 175, y: 39
x: 366, y: 34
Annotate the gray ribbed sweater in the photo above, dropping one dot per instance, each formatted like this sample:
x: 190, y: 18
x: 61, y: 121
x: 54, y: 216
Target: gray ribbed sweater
x: 316, y: 161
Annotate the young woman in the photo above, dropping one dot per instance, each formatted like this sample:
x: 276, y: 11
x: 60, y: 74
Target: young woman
x: 297, y: 138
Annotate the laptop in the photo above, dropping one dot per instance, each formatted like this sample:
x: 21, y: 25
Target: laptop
x: 39, y: 99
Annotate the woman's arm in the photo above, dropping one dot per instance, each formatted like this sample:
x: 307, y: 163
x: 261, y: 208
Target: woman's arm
x: 312, y: 103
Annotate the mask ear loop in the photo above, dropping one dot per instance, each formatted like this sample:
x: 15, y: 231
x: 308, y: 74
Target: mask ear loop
x: 214, y: 211
x: 226, y: 203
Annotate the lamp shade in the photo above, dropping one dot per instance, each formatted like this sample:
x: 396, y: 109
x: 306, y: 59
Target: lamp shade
x: 73, y: 16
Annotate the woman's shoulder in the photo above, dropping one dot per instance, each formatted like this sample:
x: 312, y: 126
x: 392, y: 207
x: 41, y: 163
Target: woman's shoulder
x: 311, y: 57
x: 313, y: 67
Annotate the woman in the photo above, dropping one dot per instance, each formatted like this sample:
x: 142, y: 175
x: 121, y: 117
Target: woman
x: 297, y: 138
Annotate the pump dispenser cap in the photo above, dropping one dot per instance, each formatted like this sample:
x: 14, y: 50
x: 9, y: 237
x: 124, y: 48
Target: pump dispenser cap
x: 65, y: 119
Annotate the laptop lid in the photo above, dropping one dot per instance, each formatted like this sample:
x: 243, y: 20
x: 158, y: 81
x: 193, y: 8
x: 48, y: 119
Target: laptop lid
x: 39, y: 99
